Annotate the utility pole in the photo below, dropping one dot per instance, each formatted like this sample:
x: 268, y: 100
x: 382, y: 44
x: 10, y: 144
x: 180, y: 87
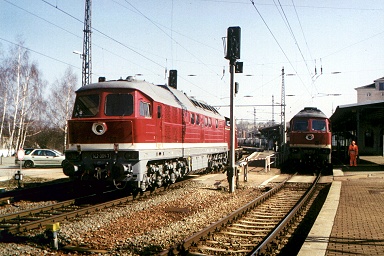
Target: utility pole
x: 87, y: 58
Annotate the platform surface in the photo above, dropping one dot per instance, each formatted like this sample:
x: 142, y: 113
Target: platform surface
x: 351, y: 221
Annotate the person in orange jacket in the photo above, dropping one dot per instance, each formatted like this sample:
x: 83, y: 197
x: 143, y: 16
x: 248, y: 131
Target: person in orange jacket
x: 353, y: 152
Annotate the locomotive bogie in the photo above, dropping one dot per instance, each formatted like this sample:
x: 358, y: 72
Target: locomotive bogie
x: 141, y: 173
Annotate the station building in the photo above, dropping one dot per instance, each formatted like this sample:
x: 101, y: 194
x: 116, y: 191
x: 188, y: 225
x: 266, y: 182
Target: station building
x: 362, y: 122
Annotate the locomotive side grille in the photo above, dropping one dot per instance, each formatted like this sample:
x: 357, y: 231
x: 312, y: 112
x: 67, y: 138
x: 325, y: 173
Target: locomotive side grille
x: 80, y: 132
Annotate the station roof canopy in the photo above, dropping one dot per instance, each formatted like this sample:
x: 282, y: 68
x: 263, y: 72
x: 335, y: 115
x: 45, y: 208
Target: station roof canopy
x: 346, y: 117
x: 275, y: 127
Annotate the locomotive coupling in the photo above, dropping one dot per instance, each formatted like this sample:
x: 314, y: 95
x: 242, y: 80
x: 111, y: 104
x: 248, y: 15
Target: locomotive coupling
x: 122, y: 172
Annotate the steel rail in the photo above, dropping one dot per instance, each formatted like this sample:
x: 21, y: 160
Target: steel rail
x: 262, y: 247
x: 26, y: 213
x: 194, y: 239
x: 11, y: 223
x: 39, y: 223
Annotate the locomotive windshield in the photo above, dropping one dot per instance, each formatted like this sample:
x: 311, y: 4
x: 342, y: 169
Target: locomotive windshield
x: 318, y: 125
x: 315, y: 125
x: 300, y: 125
x: 119, y: 105
x: 86, y: 106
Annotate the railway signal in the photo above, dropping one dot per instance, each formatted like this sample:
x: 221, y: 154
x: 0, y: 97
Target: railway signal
x: 238, y: 67
x: 172, y: 79
x: 233, y: 43
x: 233, y: 54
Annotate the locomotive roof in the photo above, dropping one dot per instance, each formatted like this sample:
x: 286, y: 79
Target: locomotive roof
x: 309, y: 112
x: 159, y: 93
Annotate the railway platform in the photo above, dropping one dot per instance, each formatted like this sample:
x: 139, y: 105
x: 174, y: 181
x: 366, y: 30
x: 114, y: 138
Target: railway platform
x: 351, y: 220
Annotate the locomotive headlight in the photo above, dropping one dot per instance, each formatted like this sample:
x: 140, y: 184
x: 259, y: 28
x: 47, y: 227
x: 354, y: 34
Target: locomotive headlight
x: 310, y: 136
x: 99, y: 128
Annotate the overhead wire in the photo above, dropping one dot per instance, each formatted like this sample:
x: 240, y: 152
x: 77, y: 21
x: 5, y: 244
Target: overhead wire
x: 107, y: 36
x: 176, y: 42
x: 128, y: 47
x: 33, y: 14
x: 71, y: 33
x: 286, y: 21
x: 301, y: 28
x: 39, y: 53
x: 285, y: 18
x: 277, y: 42
x: 171, y: 37
x: 80, y: 21
x: 306, y: 43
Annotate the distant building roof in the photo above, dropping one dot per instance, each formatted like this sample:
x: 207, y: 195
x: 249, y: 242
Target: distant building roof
x: 369, y: 86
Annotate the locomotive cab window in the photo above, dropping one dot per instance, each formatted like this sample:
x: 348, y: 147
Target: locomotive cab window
x: 300, y: 125
x: 318, y: 125
x: 119, y: 105
x: 86, y: 105
x: 145, y: 109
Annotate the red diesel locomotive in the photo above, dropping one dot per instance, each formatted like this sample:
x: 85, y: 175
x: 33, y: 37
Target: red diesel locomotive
x: 310, y: 139
x: 137, y: 134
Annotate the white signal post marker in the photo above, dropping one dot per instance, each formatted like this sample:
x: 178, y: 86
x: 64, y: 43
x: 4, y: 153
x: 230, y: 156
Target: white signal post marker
x: 19, y: 175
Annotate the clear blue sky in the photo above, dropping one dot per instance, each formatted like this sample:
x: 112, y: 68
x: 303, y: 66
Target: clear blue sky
x: 149, y: 36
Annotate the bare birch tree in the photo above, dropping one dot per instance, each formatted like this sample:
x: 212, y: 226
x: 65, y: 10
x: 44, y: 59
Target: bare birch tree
x: 61, y: 101
x: 23, y: 89
x: 4, y: 84
x: 33, y: 106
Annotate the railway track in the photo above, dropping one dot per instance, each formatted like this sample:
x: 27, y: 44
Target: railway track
x: 61, y: 190
x: 252, y: 229
x: 23, y: 221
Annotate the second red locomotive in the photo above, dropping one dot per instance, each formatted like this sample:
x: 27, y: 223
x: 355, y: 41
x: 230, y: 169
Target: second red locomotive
x: 310, y: 140
x: 137, y: 134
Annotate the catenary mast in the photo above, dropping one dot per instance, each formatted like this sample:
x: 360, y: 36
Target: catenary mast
x: 87, y: 57
x: 283, y: 141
